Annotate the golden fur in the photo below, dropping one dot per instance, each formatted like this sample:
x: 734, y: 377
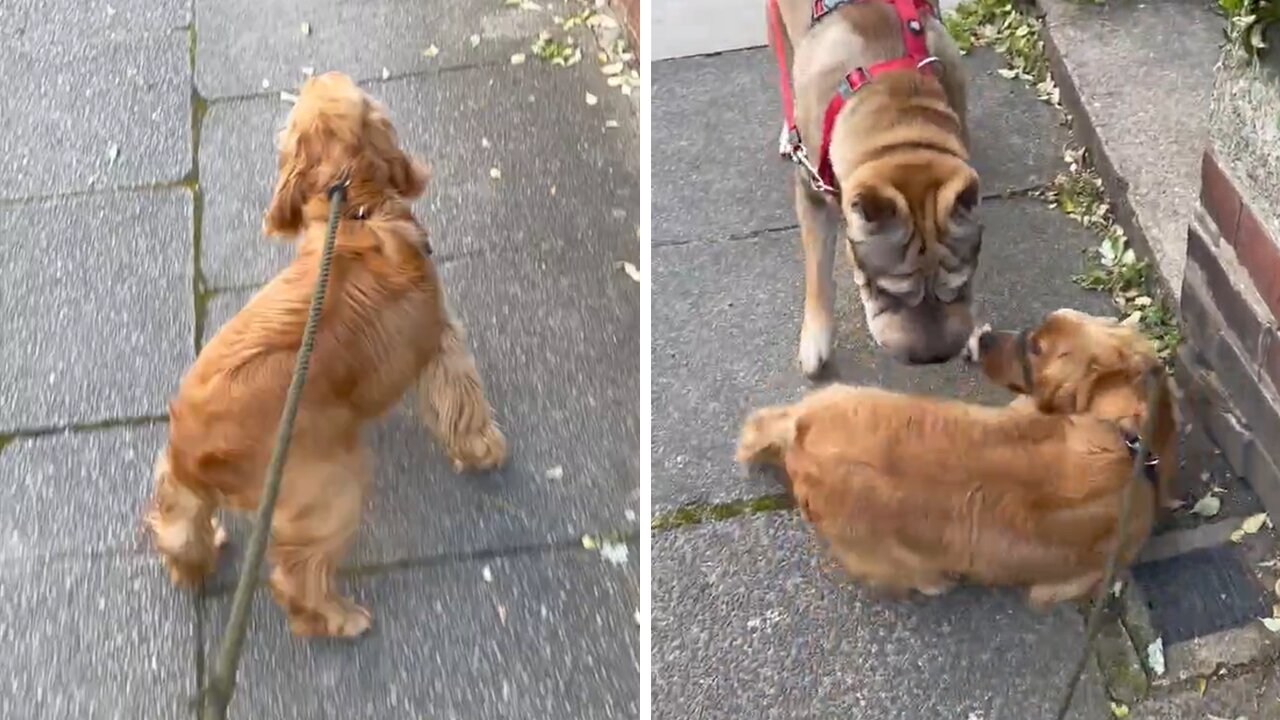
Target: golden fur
x: 919, y: 493
x: 384, y: 328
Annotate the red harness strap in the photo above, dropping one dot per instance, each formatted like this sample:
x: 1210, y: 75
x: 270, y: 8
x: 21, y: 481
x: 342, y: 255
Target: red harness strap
x: 917, y: 57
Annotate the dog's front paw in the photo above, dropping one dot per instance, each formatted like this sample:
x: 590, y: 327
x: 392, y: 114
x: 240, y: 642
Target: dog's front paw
x: 815, y: 347
x: 971, y: 352
x: 484, y: 450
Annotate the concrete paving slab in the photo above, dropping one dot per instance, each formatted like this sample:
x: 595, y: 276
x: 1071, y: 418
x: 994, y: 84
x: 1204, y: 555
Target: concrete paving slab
x: 556, y: 339
x: 138, y: 93
x: 746, y: 623
x: 702, y: 151
x: 39, y: 23
x: 95, y: 309
x: 682, y: 29
x: 567, y: 181
x: 94, y: 637
x: 1144, y: 72
x: 551, y: 635
x: 726, y: 319
x: 90, y: 486
x: 248, y: 47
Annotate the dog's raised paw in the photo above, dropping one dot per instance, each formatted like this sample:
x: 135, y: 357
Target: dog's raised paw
x: 971, y: 352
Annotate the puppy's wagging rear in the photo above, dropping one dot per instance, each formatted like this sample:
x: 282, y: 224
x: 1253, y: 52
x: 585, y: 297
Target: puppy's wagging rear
x: 919, y: 493
x: 384, y: 328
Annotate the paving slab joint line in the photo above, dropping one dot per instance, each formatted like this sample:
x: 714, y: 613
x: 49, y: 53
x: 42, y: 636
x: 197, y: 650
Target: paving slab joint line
x: 200, y: 294
x: 700, y: 513
x: 551, y: 546
x: 1083, y: 129
x: 15, y: 434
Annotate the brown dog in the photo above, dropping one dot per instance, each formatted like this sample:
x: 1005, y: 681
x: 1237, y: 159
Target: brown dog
x: 913, y: 492
x: 906, y: 191
x: 384, y: 328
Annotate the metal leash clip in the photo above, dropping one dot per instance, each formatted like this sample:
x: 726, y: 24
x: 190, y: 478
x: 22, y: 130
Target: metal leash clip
x: 790, y: 147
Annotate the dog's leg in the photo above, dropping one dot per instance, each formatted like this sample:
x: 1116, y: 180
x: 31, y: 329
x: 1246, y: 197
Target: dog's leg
x: 183, y: 528
x: 818, y: 229
x: 452, y: 404
x: 1046, y: 595
x: 309, y: 535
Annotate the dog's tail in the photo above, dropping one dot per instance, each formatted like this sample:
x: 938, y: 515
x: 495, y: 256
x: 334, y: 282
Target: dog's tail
x: 766, y: 436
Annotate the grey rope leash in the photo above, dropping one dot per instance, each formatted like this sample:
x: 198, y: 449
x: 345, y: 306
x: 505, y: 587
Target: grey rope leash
x: 217, y: 694
x: 1154, y: 390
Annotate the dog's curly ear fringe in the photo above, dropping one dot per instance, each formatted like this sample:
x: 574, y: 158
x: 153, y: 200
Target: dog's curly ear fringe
x: 284, y: 213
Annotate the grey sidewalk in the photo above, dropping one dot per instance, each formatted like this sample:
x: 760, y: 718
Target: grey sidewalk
x: 136, y: 139
x: 746, y: 625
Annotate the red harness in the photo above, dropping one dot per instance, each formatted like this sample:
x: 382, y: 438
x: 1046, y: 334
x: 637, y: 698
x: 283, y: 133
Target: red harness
x: 917, y: 57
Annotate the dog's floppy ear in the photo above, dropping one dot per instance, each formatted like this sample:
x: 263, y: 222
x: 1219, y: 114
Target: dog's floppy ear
x: 872, y: 206
x: 878, y: 229
x: 1114, y: 355
x: 284, y: 212
x: 407, y: 175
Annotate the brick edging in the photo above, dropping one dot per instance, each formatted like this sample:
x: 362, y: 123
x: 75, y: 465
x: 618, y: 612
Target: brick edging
x: 628, y: 12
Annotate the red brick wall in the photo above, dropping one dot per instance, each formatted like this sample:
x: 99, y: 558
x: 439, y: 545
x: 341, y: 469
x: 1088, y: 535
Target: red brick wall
x: 628, y: 12
x: 1230, y: 301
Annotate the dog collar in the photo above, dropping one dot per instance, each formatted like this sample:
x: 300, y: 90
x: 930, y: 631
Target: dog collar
x: 1150, y: 468
x: 917, y: 57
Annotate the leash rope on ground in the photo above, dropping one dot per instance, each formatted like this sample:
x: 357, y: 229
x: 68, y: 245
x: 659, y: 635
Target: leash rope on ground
x: 221, y: 686
x: 1153, y: 385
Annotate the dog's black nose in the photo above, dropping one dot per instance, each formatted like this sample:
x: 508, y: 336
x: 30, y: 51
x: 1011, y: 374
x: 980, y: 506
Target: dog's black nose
x: 986, y: 341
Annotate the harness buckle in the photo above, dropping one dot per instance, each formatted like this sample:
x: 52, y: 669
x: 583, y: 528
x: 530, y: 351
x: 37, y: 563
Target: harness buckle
x: 790, y: 148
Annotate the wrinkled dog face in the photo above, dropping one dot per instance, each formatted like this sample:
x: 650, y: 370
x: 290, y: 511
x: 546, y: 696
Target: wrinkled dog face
x: 914, y: 259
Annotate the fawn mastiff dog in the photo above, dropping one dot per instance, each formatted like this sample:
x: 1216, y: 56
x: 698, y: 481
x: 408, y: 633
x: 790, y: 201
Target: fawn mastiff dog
x: 879, y: 100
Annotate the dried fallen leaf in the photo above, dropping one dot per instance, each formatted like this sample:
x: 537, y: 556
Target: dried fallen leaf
x: 484, y: 142
x: 1007, y: 73
x: 474, y: 40
x: 486, y: 573
x: 502, y: 614
x: 306, y: 28
x: 308, y: 71
x: 614, y: 552
x: 517, y: 59
x: 611, y: 123
x: 615, y: 81
x: 1207, y: 506
x: 1277, y: 590
x: 113, y: 153
x: 592, y: 99
x: 1272, y: 624
x: 1133, y: 319
x: 288, y: 97
x: 431, y: 51
x: 495, y: 173
x: 1155, y: 656
x: 629, y: 269
x: 1119, y: 710
x: 588, y: 542
x: 630, y: 515
x: 386, y: 74
x: 612, y: 68
x: 554, y: 473
x: 1201, y: 686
